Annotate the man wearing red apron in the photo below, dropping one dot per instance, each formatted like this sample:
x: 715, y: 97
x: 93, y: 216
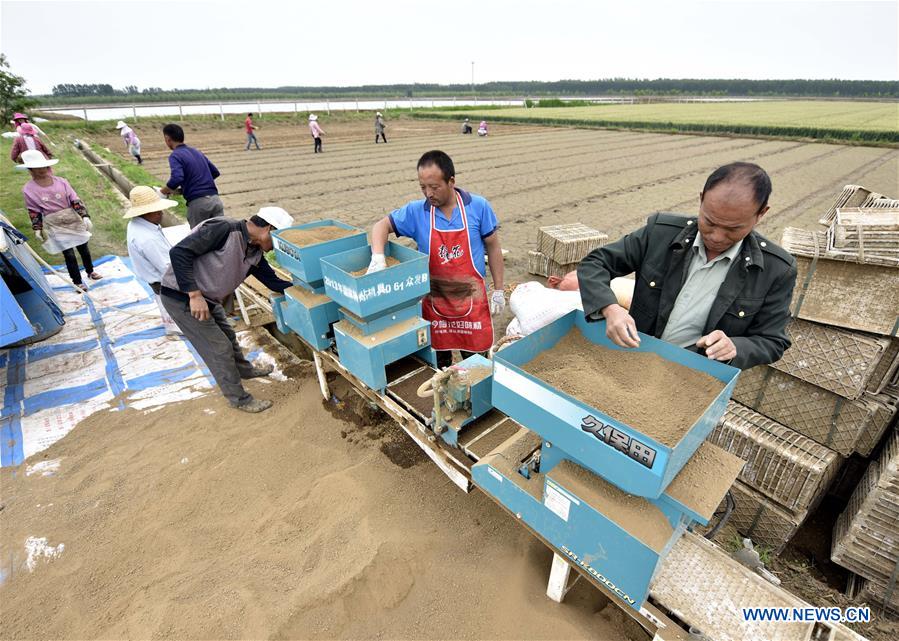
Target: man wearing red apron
x: 456, y: 229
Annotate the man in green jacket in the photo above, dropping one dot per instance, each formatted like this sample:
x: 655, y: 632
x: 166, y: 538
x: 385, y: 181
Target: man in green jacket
x: 710, y: 283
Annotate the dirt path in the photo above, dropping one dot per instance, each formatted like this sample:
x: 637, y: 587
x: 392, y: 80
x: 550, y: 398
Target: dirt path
x: 292, y: 524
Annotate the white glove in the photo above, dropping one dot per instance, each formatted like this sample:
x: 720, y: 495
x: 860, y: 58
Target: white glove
x: 378, y: 262
x: 39, y: 235
x: 497, y: 302
x: 88, y: 223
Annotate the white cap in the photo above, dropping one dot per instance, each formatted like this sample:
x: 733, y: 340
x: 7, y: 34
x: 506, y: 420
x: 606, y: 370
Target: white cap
x: 275, y: 216
x: 379, y: 113
x: 34, y: 159
x: 313, y: 117
x: 120, y: 125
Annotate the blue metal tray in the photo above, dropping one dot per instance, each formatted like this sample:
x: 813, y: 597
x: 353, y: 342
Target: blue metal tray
x: 303, y: 262
x: 367, y: 356
x: 373, y: 295
x: 382, y: 322
x: 309, y: 315
x: 633, y: 461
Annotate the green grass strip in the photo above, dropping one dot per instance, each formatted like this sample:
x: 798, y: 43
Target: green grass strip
x: 873, y: 138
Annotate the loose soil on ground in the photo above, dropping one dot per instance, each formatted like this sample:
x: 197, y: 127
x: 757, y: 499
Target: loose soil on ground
x: 307, y: 521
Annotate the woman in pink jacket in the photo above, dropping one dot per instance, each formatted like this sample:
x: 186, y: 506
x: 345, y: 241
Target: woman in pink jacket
x: 316, y: 132
x: 58, y: 217
x: 27, y: 139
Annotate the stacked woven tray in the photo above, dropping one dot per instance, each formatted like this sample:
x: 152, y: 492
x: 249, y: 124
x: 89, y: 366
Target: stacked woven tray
x: 542, y: 265
x: 835, y: 392
x: 788, y: 467
x: 836, y: 289
x: 865, y: 536
x: 762, y: 519
x: 561, y: 247
x: 866, y: 233
x: 851, y: 196
x: 841, y: 424
x: 845, y: 362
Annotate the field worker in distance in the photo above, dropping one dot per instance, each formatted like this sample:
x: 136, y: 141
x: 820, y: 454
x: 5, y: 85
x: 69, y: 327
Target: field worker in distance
x: 251, y: 132
x: 709, y: 283
x: 58, y: 217
x: 455, y: 228
x: 148, y: 247
x: 132, y: 142
x: 19, y: 119
x: 482, y: 128
x: 27, y: 139
x: 194, y: 176
x: 317, y: 133
x: 466, y: 127
x: 207, y: 266
x: 379, y: 127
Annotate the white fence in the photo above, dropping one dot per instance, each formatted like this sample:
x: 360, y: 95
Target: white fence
x: 117, y: 112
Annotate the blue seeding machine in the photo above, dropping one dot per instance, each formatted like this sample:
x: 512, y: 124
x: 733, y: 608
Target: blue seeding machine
x: 610, y: 501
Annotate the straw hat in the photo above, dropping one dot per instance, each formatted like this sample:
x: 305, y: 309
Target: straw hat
x: 120, y: 124
x: 379, y: 113
x: 34, y: 159
x: 145, y: 200
x: 313, y: 117
x: 277, y: 217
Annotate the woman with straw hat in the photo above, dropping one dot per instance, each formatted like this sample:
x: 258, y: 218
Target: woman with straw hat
x: 58, y: 216
x: 19, y: 119
x: 148, y: 247
x: 131, y: 140
x: 27, y: 139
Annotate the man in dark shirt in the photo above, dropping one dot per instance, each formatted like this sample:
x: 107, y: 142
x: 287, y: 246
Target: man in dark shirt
x: 709, y: 283
x: 194, y: 176
x: 207, y: 266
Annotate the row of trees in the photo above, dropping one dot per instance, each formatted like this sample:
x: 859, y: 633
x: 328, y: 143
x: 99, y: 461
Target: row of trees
x: 613, y: 86
x: 69, y: 90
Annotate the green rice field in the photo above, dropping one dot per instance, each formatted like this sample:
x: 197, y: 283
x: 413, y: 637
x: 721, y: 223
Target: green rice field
x: 875, y: 122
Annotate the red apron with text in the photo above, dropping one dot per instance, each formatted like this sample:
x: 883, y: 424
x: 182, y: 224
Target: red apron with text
x: 457, y: 306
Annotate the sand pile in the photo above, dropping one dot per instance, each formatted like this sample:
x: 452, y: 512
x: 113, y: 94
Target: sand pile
x: 660, y: 398
x: 313, y: 235
x: 195, y: 521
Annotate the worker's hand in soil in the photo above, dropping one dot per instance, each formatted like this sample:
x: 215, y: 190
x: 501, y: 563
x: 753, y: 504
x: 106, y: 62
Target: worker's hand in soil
x: 378, y: 262
x: 718, y: 346
x: 620, y: 326
x: 497, y: 302
x: 199, y: 308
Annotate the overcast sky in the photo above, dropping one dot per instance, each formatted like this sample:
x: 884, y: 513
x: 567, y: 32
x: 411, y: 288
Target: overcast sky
x: 259, y: 43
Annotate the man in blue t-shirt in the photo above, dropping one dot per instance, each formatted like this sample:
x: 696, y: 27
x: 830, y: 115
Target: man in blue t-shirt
x: 456, y: 229
x: 194, y: 176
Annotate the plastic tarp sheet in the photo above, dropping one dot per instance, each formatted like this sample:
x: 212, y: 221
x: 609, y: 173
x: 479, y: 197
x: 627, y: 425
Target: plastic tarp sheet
x: 112, y: 353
